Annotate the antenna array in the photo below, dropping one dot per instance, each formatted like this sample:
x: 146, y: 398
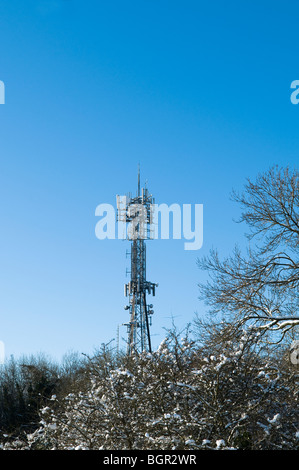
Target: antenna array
x: 137, y: 212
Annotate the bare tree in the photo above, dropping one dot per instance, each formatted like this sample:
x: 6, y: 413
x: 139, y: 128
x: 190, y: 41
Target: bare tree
x: 261, y: 287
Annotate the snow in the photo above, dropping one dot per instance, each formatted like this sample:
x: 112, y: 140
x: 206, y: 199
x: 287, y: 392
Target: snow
x: 220, y: 443
x: 190, y: 442
x: 275, y: 419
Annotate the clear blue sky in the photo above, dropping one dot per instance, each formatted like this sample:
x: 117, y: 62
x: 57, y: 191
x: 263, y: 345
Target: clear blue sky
x: 197, y: 92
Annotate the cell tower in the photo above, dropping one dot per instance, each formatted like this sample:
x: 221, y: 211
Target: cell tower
x: 136, y: 211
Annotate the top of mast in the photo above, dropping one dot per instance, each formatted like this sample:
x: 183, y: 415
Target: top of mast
x: 138, y: 179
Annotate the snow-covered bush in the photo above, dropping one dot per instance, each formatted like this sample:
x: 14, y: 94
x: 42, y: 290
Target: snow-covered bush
x: 179, y: 397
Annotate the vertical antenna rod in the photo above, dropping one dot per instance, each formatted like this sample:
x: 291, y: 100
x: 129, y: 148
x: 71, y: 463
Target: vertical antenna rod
x: 138, y: 179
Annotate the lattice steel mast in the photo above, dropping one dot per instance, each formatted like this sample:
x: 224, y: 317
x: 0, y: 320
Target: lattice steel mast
x: 137, y: 213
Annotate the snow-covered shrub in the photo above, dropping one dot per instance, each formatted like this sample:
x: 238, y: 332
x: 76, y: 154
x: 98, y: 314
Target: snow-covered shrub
x: 179, y: 397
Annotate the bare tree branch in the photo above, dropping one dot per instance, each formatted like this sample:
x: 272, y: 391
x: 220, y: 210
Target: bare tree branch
x: 262, y: 287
